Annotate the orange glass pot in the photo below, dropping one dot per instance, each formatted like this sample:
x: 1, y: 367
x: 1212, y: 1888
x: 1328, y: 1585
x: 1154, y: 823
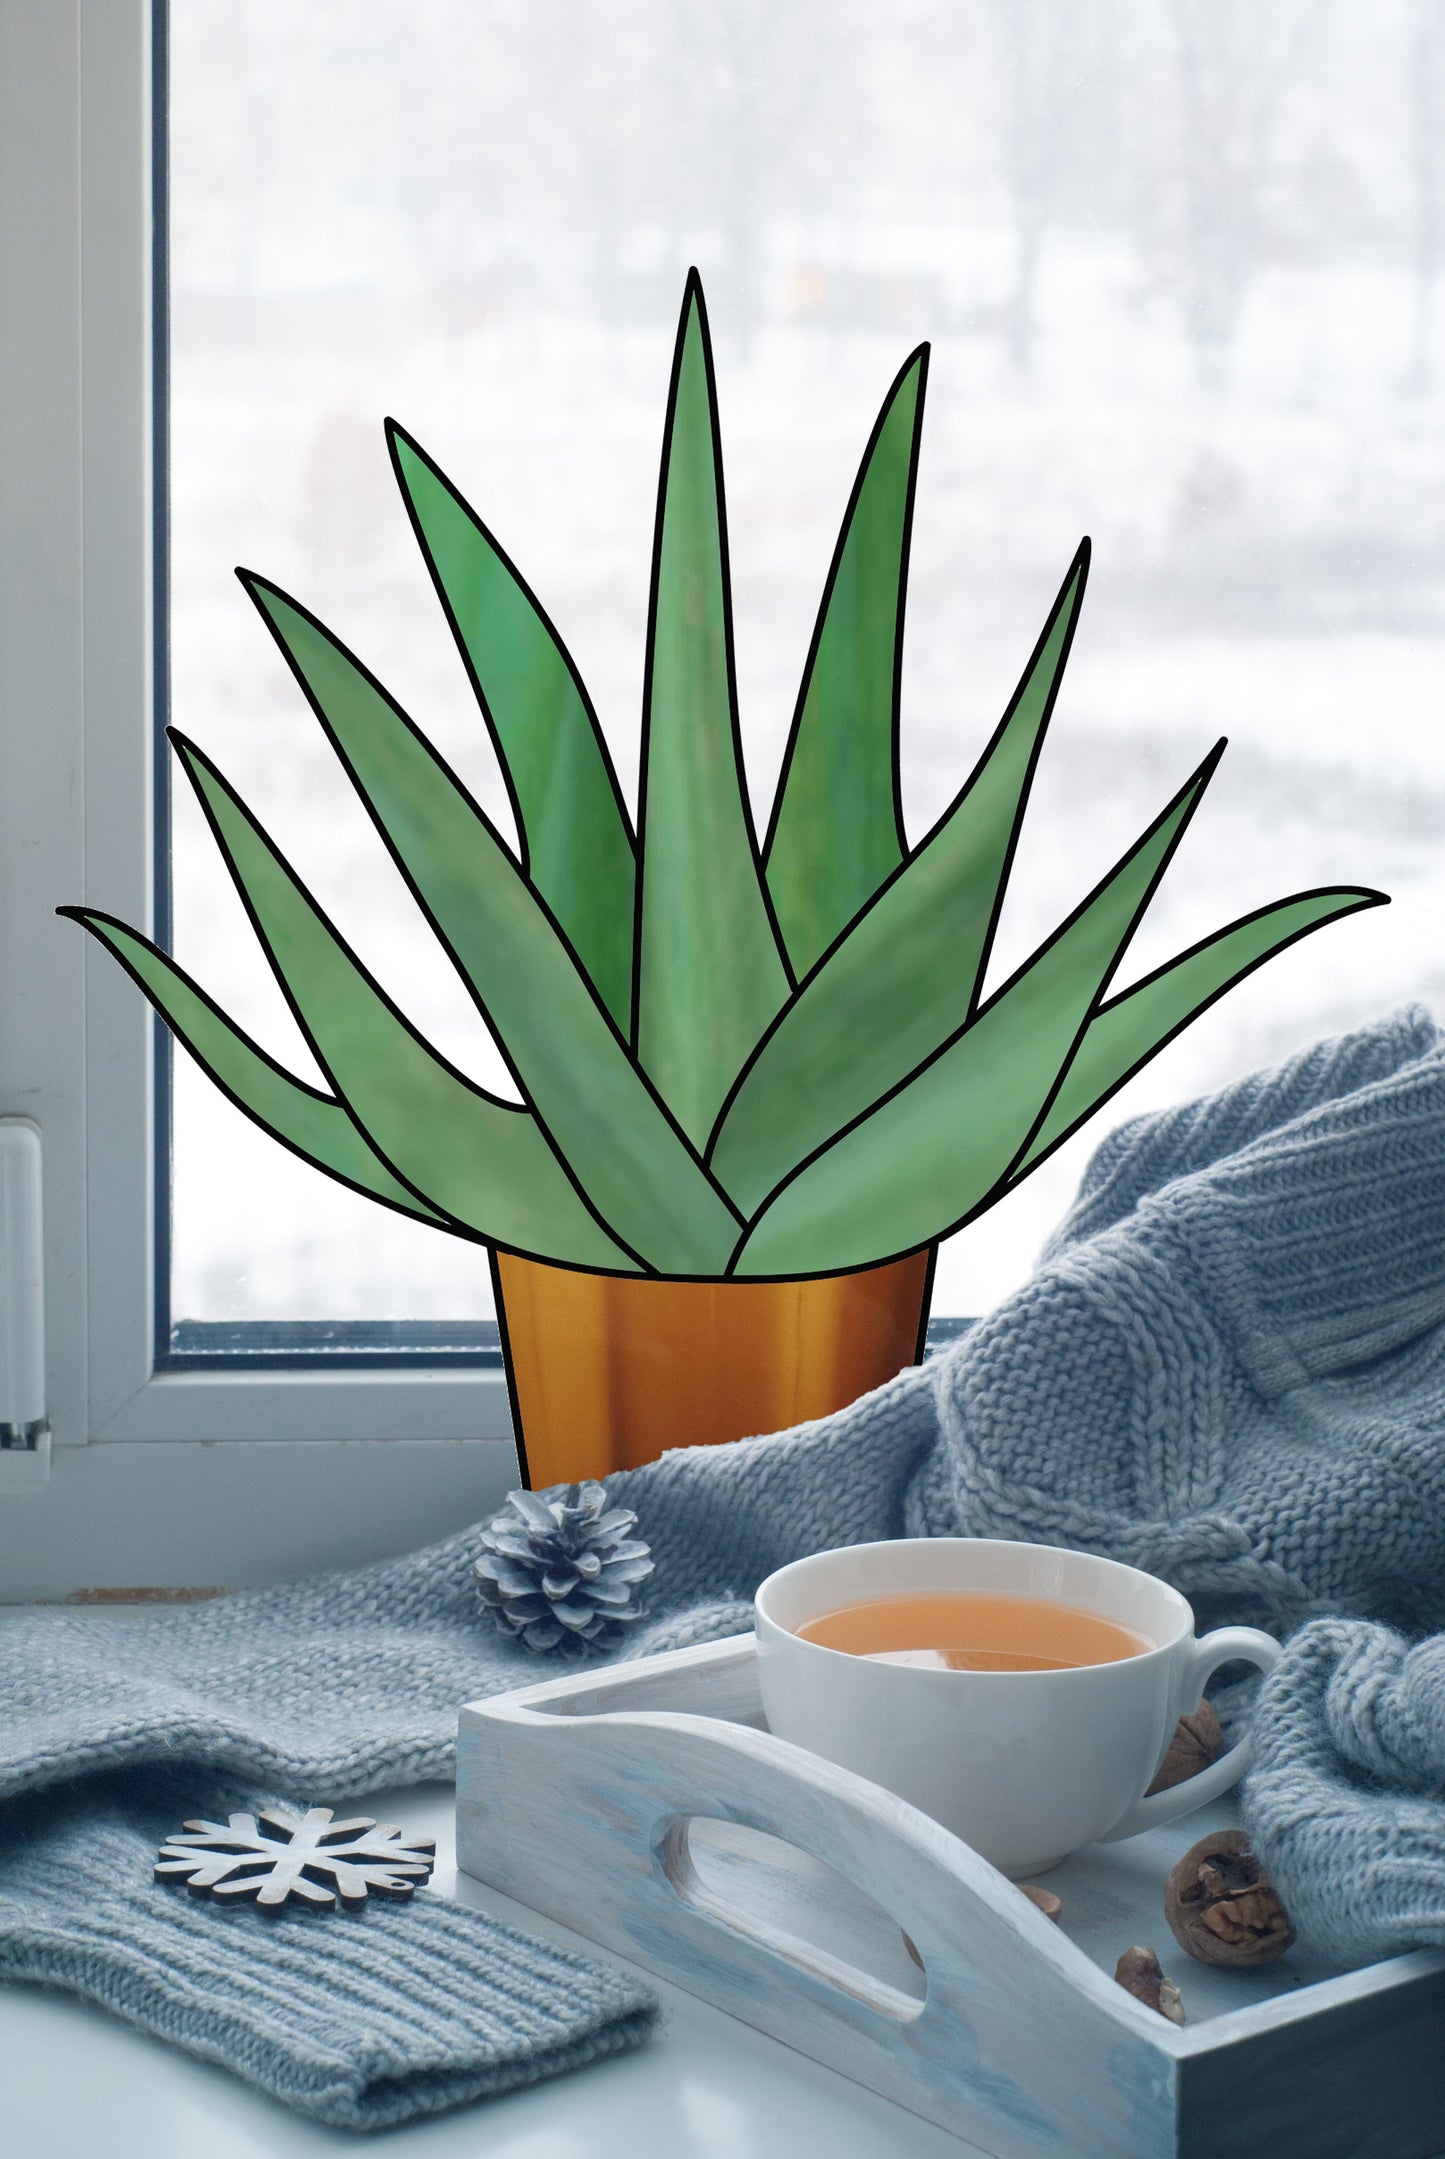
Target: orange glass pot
x: 608, y: 1371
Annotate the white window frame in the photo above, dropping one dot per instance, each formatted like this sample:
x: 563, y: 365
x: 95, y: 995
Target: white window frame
x: 152, y: 1477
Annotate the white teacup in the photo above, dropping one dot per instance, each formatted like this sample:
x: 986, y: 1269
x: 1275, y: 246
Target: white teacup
x: 1026, y: 1766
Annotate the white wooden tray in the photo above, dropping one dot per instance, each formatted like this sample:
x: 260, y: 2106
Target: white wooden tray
x: 649, y: 1808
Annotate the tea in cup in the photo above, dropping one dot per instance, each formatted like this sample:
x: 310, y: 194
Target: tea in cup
x: 1021, y: 1694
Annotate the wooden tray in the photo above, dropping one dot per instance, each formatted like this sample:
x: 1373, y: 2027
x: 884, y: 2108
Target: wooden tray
x: 649, y: 1808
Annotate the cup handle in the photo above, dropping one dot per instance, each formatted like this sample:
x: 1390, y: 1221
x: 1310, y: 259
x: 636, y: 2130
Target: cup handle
x: 1224, y: 1646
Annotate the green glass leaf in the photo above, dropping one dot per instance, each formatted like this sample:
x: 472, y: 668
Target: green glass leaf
x: 564, y: 1052
x: 935, y: 1151
x: 909, y: 972
x: 1124, y: 1034
x: 485, y: 1162
x: 710, y: 973
x: 576, y: 840
x: 311, y: 1124
x: 837, y: 829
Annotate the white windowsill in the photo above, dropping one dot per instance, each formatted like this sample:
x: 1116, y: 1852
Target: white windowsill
x: 237, y: 1514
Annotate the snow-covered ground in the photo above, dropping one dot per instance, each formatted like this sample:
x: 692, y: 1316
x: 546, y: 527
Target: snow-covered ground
x: 1266, y: 510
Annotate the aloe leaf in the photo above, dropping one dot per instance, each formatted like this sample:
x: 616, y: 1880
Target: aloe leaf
x: 563, y: 1050
x: 710, y: 973
x: 907, y: 974
x: 311, y: 1124
x: 1131, y: 1028
x: 575, y: 836
x: 485, y: 1162
x: 837, y: 828
x: 935, y: 1151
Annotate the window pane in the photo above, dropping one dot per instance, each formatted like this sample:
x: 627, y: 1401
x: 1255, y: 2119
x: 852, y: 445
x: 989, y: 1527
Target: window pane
x: 1179, y: 269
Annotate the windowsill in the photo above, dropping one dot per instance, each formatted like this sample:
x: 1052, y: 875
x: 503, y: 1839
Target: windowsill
x: 237, y: 1514
x: 206, y: 1493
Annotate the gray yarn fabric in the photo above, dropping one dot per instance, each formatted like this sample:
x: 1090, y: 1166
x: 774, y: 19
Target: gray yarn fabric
x: 360, y: 2020
x: 1346, y: 1793
x: 312, y: 1694
x: 1229, y: 1368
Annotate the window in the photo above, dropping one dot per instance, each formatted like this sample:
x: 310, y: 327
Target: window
x: 144, y: 1504
x: 1179, y: 270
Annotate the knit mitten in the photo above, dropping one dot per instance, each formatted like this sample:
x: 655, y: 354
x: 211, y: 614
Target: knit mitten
x: 1344, y: 1799
x: 360, y: 2019
x: 328, y: 1689
x: 113, y: 1734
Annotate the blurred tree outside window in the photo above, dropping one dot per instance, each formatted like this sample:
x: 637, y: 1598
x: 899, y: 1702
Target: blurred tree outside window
x: 1180, y: 268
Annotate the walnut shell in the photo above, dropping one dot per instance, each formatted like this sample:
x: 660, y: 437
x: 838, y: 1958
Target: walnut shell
x: 1138, y: 1973
x: 1221, y: 1905
x: 1050, y: 1904
x: 1197, y: 1742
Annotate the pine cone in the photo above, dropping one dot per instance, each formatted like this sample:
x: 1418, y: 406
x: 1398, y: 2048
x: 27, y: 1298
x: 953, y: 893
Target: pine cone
x: 558, y: 1568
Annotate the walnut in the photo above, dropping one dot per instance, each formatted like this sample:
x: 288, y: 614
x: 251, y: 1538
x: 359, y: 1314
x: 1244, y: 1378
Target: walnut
x: 1049, y: 1904
x: 1222, y: 1906
x: 1138, y: 1973
x: 1197, y: 1742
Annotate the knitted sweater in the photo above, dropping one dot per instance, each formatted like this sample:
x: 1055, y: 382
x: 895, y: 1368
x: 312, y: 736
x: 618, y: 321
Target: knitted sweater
x: 1228, y: 1369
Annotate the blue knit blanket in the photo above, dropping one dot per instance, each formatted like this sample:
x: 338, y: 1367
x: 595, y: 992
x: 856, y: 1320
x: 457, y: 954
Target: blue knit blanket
x: 1228, y: 1368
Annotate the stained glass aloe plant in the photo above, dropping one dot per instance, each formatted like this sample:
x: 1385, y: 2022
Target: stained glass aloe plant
x: 734, y: 1060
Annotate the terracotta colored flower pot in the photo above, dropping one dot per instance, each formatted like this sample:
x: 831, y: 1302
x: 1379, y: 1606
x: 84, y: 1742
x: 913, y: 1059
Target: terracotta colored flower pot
x: 607, y: 1371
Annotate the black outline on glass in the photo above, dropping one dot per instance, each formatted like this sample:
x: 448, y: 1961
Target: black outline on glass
x: 918, y: 359
x: 514, y: 1406
x: 693, y: 303
x: 1185, y: 801
x: 424, y: 1212
x: 1355, y: 900
x: 396, y: 433
x: 1073, y: 584
x: 945, y: 1331
x: 1352, y: 899
x: 190, y: 754
x: 254, y: 584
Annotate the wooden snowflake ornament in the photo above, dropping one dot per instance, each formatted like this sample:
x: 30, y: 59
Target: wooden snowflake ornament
x: 276, y: 1856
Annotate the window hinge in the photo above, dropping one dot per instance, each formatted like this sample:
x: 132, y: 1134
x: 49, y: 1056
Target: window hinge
x: 24, y: 1426
x: 24, y: 1457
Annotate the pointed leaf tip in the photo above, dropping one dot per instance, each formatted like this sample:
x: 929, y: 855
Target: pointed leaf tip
x: 938, y: 1147
x: 907, y: 973
x: 836, y: 832
x: 482, y: 1161
x: 577, y: 845
x: 710, y: 973
x: 297, y: 1114
x: 1133, y: 1026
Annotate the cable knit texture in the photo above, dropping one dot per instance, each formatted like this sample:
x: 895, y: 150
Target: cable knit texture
x: 1229, y: 1368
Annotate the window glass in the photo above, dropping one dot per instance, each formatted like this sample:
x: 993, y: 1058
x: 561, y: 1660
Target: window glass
x: 1179, y: 267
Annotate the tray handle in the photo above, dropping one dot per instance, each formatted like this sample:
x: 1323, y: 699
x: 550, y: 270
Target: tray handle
x: 963, y: 1917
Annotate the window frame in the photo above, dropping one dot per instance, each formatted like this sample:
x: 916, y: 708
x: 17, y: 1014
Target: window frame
x: 78, y: 1055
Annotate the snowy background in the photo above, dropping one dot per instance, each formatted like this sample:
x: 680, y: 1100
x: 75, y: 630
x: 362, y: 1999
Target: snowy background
x: 1178, y: 265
